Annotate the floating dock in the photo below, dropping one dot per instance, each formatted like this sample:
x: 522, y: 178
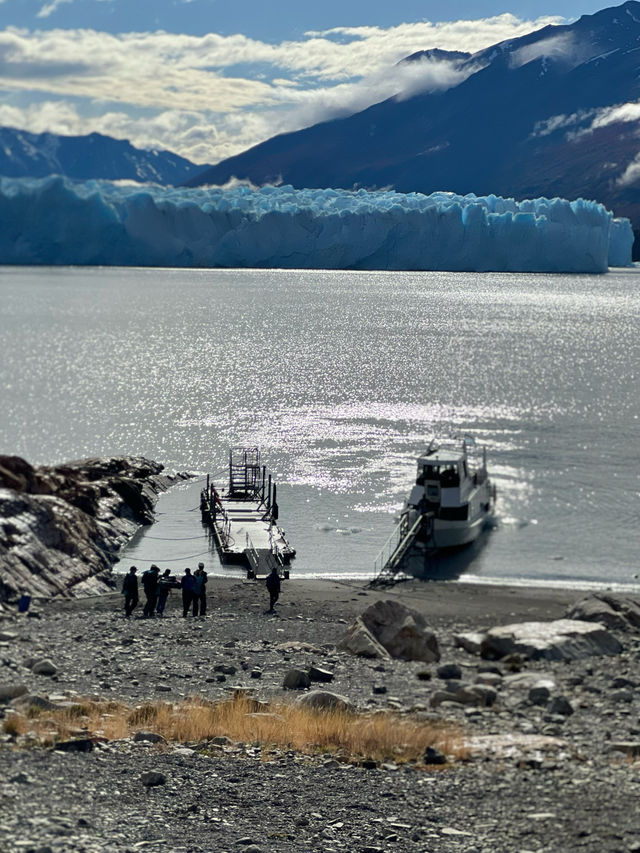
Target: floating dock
x: 244, y: 519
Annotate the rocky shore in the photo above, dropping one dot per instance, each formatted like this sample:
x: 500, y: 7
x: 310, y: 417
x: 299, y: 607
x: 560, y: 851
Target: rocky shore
x: 61, y: 527
x: 550, y: 723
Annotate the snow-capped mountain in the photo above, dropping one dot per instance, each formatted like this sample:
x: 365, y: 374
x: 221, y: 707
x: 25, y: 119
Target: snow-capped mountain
x: 31, y: 155
x: 556, y: 112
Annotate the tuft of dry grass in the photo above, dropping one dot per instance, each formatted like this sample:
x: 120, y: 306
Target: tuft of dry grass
x: 381, y: 735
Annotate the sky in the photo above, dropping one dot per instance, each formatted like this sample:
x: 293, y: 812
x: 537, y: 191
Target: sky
x: 210, y: 78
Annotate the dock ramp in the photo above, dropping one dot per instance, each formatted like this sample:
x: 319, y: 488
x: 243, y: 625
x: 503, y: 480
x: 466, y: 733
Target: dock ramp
x: 406, y: 550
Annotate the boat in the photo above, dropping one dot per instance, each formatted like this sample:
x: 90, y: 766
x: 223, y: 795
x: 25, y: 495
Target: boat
x: 450, y: 504
x: 244, y: 518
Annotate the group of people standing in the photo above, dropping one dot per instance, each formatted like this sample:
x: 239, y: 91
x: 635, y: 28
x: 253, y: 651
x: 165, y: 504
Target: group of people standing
x: 157, y: 587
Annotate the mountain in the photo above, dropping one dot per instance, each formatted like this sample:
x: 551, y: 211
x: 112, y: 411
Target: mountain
x: 518, y: 125
x: 32, y: 155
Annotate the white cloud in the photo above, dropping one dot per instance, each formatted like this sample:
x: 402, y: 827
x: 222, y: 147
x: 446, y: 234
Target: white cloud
x: 589, y: 119
x: 561, y: 48
x: 619, y: 113
x: 50, y: 8
x: 213, y: 89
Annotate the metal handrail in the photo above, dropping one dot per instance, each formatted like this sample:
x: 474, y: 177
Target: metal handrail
x: 251, y: 552
x: 396, y: 545
x: 391, y: 545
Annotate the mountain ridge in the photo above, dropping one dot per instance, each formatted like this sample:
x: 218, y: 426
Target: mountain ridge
x: 486, y: 134
x: 92, y: 156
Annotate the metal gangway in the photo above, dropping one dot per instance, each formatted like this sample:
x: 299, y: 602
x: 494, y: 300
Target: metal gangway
x: 406, y: 550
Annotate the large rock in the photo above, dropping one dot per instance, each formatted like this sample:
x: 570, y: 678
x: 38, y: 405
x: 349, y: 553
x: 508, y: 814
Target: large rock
x: 61, y: 527
x: 403, y: 632
x: 563, y: 639
x: 324, y: 700
x: 296, y: 679
x: 11, y: 691
x: 620, y: 612
x: 360, y: 641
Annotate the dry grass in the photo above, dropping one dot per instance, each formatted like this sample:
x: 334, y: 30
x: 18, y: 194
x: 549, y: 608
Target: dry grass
x: 381, y: 736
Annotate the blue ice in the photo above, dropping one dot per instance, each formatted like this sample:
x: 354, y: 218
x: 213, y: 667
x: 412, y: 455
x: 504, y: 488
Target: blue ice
x: 58, y: 221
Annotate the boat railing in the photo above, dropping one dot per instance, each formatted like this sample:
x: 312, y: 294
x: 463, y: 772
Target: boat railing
x: 390, y: 559
x: 252, y: 554
x: 391, y: 545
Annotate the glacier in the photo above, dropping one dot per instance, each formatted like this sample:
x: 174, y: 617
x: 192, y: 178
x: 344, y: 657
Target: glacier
x: 58, y: 221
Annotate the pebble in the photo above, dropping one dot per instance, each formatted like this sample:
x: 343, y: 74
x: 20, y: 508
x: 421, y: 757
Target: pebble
x: 153, y: 778
x: 44, y: 667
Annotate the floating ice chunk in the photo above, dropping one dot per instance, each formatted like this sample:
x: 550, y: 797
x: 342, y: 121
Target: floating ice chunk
x: 57, y: 221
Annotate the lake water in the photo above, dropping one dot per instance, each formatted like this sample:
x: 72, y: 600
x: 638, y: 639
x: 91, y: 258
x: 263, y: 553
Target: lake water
x: 341, y: 379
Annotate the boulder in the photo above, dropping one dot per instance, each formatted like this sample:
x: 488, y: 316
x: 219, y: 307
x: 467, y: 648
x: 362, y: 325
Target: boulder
x: 83, y: 744
x: 44, y: 667
x: 478, y: 695
x: 401, y: 631
x: 621, y: 612
x: 324, y: 700
x: 152, y: 778
x: 449, y: 671
x: 316, y: 673
x: 29, y: 702
x: 563, y: 639
x: 296, y: 679
x: 434, y: 756
x: 470, y: 641
x: 539, y: 694
x: 11, y: 691
x: 560, y: 705
x: 148, y: 737
x: 360, y: 641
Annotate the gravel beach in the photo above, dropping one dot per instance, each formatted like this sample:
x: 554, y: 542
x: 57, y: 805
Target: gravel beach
x: 552, y: 770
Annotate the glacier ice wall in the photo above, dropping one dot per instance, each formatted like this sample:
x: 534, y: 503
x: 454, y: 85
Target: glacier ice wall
x: 621, y: 239
x: 57, y: 221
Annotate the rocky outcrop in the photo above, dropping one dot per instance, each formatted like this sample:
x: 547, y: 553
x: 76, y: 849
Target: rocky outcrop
x: 621, y: 612
x: 389, y: 629
x: 563, y: 639
x: 61, y: 527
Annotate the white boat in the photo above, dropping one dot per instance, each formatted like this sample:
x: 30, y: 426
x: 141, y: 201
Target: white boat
x: 450, y: 504
x: 456, y: 490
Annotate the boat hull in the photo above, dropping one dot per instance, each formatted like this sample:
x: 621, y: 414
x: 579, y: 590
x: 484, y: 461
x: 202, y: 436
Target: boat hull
x: 456, y: 534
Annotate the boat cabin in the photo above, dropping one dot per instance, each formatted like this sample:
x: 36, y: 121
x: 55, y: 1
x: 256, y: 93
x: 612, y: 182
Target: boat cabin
x: 443, y: 482
x: 446, y: 467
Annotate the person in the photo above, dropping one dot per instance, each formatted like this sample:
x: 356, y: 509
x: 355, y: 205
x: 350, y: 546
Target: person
x: 188, y: 588
x: 150, y: 586
x: 273, y: 585
x: 130, y: 591
x: 201, y: 590
x: 165, y: 585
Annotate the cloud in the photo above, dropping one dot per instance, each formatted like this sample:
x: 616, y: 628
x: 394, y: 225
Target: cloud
x: 226, y: 93
x: 589, y: 119
x: 50, y: 8
x: 561, y: 122
x: 562, y: 47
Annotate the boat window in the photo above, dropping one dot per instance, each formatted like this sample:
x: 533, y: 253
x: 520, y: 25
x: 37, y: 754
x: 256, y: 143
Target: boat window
x: 449, y: 477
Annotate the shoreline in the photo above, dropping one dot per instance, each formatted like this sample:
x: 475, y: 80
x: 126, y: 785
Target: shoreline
x: 534, y: 778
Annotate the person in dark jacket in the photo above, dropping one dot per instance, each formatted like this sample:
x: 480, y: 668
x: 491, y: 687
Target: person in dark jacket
x: 165, y: 584
x: 150, y: 586
x: 188, y: 589
x: 200, y: 598
x: 273, y: 585
x: 130, y: 591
